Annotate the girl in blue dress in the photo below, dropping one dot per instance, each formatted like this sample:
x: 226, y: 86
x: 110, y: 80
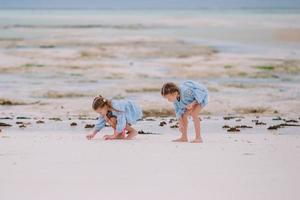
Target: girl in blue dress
x: 120, y: 114
x: 188, y: 99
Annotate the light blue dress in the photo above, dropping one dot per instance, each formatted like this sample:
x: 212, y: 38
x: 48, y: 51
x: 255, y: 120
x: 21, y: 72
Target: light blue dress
x: 128, y: 112
x: 190, y: 91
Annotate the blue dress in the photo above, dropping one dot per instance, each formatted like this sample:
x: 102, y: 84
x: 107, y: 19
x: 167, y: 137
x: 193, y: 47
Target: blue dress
x: 190, y: 91
x: 128, y: 112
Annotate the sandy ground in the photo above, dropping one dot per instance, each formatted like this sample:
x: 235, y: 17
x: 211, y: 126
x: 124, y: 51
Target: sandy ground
x: 59, y: 163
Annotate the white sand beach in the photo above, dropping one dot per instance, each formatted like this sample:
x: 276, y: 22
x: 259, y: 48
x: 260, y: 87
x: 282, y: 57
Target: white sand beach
x: 255, y: 163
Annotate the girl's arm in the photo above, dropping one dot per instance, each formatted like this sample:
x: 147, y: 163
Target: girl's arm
x: 120, y: 126
x: 91, y: 135
x: 178, y: 111
x: 98, y: 126
x: 121, y: 122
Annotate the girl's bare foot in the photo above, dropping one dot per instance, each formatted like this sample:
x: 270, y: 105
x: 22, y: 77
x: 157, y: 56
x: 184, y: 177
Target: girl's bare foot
x: 120, y: 136
x: 131, y: 132
x: 108, y: 137
x: 131, y: 135
x: 197, y: 140
x: 180, y: 140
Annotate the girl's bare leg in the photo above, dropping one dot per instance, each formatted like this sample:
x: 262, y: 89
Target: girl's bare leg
x: 131, y: 132
x: 183, y: 124
x: 195, y: 116
x: 113, y: 123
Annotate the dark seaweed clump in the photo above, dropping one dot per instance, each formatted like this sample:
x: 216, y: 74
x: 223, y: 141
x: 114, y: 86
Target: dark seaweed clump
x: 162, y: 123
x: 146, y: 133
x: 4, y: 124
x: 278, y: 126
x: 73, y: 124
x: 89, y: 126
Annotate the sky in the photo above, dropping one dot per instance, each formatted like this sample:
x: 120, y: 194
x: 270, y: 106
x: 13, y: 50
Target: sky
x: 135, y: 4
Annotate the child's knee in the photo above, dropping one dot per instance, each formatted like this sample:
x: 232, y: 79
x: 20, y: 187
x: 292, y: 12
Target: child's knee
x: 195, y: 116
x: 195, y: 113
x: 183, y: 122
x: 185, y: 116
x: 128, y: 127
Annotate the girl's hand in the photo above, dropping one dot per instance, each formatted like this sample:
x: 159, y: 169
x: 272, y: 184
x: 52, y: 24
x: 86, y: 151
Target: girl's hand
x: 106, y: 137
x: 109, y: 137
x: 91, y: 136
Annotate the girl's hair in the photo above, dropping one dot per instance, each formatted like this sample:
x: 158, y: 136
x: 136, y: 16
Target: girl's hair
x: 169, y: 88
x: 100, y: 102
